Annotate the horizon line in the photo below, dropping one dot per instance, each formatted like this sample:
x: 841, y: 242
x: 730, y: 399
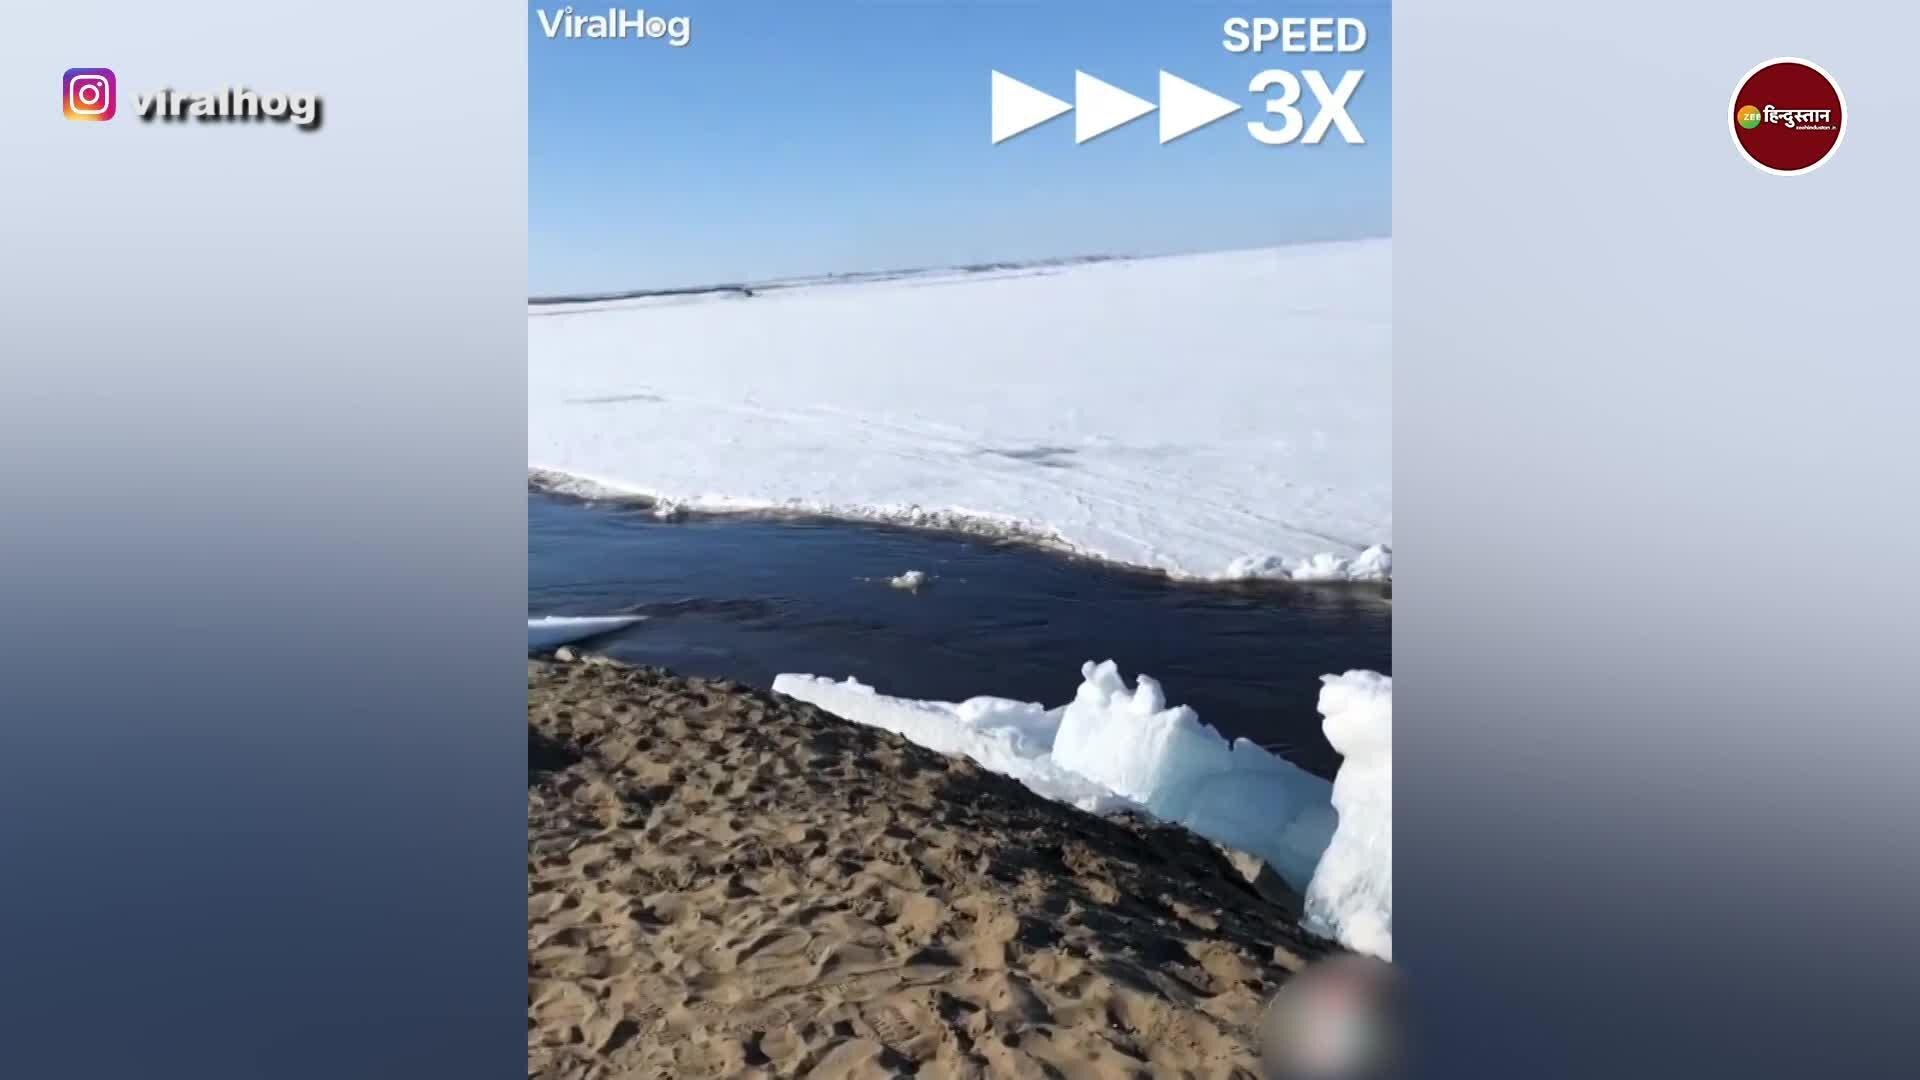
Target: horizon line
x: 844, y: 276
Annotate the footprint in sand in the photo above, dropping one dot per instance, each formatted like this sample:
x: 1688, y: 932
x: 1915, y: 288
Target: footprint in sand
x: 895, y: 1026
x: 724, y: 1017
x: 777, y: 944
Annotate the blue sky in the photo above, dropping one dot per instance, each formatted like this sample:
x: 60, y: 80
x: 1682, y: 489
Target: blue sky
x: 796, y: 138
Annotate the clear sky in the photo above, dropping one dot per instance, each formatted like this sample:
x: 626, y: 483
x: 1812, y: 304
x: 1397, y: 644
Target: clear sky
x: 796, y: 138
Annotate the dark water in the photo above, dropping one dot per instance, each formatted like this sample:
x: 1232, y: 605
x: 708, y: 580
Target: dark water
x: 747, y: 599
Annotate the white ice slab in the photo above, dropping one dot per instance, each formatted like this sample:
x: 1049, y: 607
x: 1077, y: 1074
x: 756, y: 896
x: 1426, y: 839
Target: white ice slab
x: 553, y: 631
x: 1351, y: 896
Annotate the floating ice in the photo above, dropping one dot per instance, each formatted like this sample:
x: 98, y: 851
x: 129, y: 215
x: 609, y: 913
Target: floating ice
x: 1351, y: 895
x: 552, y: 631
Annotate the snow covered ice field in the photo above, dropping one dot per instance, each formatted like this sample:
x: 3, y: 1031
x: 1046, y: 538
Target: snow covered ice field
x: 1223, y: 415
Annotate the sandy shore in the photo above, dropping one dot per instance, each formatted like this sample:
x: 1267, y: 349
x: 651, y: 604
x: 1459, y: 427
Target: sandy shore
x: 721, y: 882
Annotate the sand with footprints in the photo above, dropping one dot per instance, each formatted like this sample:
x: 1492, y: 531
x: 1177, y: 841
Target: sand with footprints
x: 722, y: 882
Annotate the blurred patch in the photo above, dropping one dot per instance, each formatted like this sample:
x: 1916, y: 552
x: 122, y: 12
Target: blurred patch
x: 1337, y: 1020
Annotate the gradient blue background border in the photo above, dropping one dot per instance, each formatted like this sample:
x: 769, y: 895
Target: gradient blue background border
x: 262, y: 566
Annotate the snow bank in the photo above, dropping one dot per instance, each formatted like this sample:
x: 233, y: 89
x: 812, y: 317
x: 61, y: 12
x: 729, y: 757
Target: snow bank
x: 1351, y: 895
x: 1013, y: 738
x: 1210, y: 416
x: 1115, y: 747
x: 1111, y: 749
x: 553, y: 631
x: 1373, y: 564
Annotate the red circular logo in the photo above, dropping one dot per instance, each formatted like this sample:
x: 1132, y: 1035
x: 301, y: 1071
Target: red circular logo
x: 1787, y: 116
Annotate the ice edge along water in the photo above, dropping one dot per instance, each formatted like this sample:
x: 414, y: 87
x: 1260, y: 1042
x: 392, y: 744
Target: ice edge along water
x: 1115, y: 747
x: 1213, y: 417
x: 552, y: 631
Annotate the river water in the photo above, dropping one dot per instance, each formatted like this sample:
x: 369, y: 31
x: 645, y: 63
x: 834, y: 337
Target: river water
x: 748, y: 598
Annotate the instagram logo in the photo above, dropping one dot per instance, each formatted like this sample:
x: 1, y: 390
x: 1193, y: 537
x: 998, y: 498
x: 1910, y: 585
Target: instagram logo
x: 89, y: 93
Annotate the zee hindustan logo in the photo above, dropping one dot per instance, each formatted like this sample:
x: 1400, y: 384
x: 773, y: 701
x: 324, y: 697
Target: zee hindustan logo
x: 1797, y: 136
x: 1789, y: 117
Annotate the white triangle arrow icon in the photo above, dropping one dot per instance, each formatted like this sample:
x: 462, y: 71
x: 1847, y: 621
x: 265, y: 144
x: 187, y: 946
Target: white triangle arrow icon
x: 1017, y: 107
x: 1185, y: 107
x: 1100, y: 107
